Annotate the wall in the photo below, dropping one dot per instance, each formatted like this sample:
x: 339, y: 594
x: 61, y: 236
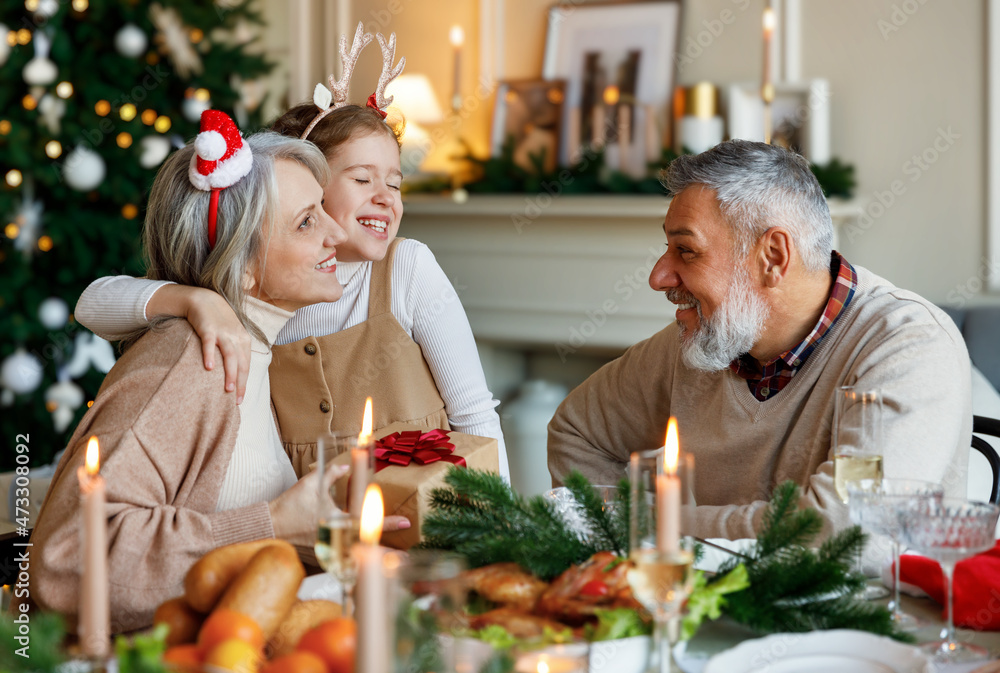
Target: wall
x: 904, y: 74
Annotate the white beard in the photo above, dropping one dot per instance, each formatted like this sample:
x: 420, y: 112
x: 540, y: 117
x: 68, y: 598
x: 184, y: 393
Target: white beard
x: 731, y: 331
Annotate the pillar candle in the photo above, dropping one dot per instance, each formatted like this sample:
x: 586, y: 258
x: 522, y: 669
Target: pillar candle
x: 668, y: 495
x: 94, y: 628
x: 624, y: 133
x: 372, y: 589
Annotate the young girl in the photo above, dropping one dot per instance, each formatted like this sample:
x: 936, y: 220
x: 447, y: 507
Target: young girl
x: 185, y: 469
x: 399, y: 334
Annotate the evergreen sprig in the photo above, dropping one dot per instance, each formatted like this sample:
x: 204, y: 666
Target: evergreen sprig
x: 482, y: 518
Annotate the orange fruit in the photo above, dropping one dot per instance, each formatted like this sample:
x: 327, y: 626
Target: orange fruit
x: 296, y: 662
x: 334, y: 642
x: 224, y: 624
x: 183, y: 657
x: 234, y: 655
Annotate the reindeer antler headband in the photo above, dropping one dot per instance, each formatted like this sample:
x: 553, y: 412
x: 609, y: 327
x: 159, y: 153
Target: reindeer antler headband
x: 328, y: 100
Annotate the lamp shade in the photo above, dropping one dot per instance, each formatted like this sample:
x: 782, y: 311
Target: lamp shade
x: 413, y: 96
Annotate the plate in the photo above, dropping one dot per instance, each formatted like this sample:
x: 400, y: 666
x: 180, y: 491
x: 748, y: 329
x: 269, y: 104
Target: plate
x: 820, y: 652
x: 322, y: 586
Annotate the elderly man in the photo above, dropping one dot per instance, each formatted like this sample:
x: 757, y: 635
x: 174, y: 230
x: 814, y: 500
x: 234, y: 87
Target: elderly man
x: 770, y: 323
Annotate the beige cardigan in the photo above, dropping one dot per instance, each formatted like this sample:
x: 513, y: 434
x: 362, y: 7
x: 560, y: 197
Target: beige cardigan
x: 167, y: 431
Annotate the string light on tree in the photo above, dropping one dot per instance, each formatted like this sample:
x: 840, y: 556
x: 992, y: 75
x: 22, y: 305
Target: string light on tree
x: 64, y: 89
x: 162, y: 124
x: 80, y: 5
x: 23, y: 36
x: 127, y: 112
x: 29, y: 102
x: 53, y: 149
x: 124, y: 140
x: 5, y: 127
x: 45, y: 243
x: 148, y: 116
x: 130, y: 211
x: 13, y: 177
x: 11, y: 230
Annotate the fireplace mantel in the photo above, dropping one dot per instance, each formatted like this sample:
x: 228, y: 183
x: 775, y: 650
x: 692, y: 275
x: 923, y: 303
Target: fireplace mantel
x: 562, y: 272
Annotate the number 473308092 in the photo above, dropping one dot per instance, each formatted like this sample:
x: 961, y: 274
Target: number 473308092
x: 22, y: 485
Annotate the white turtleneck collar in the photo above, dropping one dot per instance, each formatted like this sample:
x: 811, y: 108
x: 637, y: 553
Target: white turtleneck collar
x: 269, y: 318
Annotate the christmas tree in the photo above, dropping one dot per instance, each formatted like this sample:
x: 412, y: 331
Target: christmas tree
x: 94, y: 94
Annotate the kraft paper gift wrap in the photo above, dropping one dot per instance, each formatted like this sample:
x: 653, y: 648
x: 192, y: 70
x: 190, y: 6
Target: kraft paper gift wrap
x: 407, y: 490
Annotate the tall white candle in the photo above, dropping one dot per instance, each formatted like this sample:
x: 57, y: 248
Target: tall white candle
x: 94, y: 627
x: 372, y: 589
x: 624, y: 133
x: 573, y: 136
x: 361, y: 461
x: 767, y: 83
x: 668, y: 495
x: 457, y: 38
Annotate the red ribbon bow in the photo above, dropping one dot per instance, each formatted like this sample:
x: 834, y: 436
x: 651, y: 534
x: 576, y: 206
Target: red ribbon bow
x: 373, y: 104
x: 402, y: 448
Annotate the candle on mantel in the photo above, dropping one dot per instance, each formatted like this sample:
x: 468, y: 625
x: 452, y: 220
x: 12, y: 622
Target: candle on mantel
x: 361, y: 463
x: 94, y: 627
x: 457, y: 38
x: 767, y: 85
x: 372, y: 588
x: 624, y: 135
x: 668, y: 495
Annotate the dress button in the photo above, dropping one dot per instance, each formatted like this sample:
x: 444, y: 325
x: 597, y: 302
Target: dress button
x: 324, y: 406
x: 765, y: 391
x: 310, y: 349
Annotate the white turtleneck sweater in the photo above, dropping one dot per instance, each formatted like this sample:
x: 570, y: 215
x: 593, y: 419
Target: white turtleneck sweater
x: 424, y: 302
x: 259, y: 470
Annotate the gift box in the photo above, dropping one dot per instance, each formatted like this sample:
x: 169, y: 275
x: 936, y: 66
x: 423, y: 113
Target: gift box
x: 406, y: 490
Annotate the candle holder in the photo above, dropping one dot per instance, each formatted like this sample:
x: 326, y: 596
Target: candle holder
x: 566, y: 658
x: 661, y: 543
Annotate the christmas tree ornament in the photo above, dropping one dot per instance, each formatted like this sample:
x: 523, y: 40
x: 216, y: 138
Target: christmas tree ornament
x: 90, y: 350
x: 21, y: 372
x: 46, y: 9
x: 84, y: 169
x: 192, y: 107
x: 130, y: 41
x: 174, y: 41
x: 63, y: 399
x: 154, y: 149
x: 40, y: 71
x: 53, y: 313
x: 28, y: 219
x: 4, y: 45
x: 51, y: 111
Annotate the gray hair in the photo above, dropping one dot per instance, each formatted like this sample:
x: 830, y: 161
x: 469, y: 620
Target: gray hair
x: 176, y: 227
x: 759, y: 186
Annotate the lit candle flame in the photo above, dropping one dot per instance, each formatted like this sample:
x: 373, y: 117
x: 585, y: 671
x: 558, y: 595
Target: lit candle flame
x: 769, y: 21
x: 372, y: 512
x: 457, y: 36
x: 611, y: 95
x: 366, y: 425
x: 671, y: 448
x: 543, y: 666
x: 93, y: 459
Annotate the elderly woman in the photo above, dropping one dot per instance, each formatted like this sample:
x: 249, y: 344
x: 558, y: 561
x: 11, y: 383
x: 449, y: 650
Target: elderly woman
x: 186, y: 469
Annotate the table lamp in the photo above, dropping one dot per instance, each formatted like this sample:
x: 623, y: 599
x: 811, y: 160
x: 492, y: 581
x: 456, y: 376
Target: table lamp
x: 414, y: 98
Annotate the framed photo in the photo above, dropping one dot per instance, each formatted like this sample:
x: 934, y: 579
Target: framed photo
x: 800, y: 117
x: 530, y: 112
x: 628, y: 45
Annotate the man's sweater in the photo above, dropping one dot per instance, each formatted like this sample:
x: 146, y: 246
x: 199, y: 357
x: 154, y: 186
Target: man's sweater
x: 886, y: 338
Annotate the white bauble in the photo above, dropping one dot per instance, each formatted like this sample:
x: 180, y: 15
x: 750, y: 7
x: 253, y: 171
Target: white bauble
x: 84, y: 169
x: 154, y: 150
x: 90, y: 350
x: 130, y: 41
x: 40, y: 71
x: 21, y: 372
x: 66, y: 397
x: 47, y: 8
x: 4, y: 45
x: 53, y: 313
x: 192, y: 108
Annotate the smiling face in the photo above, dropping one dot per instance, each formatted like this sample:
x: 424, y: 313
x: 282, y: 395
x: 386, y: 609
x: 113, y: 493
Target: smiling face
x: 363, y: 195
x: 720, y: 313
x: 297, y: 267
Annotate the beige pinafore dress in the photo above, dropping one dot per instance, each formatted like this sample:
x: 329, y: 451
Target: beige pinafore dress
x: 319, y: 384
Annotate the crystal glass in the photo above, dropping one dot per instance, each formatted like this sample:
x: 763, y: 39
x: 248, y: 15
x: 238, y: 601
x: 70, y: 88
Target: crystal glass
x: 949, y: 530
x: 336, y: 530
x: 857, y: 447
x: 876, y: 505
x: 661, y: 546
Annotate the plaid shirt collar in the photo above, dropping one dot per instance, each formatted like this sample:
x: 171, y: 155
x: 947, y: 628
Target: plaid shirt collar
x: 767, y: 380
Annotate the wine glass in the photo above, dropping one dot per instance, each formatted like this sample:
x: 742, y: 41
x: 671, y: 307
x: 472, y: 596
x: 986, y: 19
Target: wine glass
x: 949, y: 530
x: 857, y: 448
x: 876, y: 505
x: 336, y: 530
x: 661, y: 549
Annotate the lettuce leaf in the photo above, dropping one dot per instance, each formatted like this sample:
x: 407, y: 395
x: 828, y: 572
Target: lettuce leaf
x: 708, y: 601
x: 617, y: 623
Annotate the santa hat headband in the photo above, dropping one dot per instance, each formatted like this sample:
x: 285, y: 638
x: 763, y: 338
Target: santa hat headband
x: 328, y: 100
x: 220, y: 160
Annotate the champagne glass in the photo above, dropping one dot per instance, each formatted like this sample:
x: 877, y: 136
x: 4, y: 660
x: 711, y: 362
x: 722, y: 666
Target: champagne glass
x: 336, y: 530
x: 949, y: 530
x: 857, y: 448
x: 876, y: 505
x: 661, y: 549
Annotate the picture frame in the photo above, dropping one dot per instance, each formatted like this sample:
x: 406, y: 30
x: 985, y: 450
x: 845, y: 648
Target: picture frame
x: 530, y: 111
x: 588, y: 41
x: 800, y: 116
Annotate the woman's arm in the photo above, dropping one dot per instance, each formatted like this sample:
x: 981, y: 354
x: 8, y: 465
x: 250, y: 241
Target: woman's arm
x: 114, y: 306
x: 435, y: 318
